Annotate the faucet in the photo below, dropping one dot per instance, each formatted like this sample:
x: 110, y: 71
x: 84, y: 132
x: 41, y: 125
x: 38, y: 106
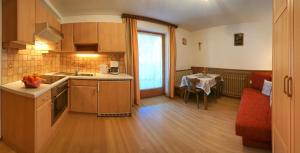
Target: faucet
x: 77, y: 71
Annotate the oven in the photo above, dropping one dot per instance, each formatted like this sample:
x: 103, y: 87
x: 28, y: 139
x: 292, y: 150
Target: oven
x: 59, y: 100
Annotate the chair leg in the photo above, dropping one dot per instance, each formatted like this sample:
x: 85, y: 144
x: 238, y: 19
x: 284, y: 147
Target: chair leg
x: 187, y: 95
x: 197, y: 96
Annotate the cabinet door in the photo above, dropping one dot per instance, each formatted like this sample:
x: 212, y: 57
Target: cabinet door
x: 83, y: 99
x: 67, y: 44
x: 43, y: 124
x: 278, y: 7
x: 114, y: 97
x: 41, y: 12
x: 296, y: 78
x: 281, y: 105
x: 112, y: 37
x: 26, y: 20
x: 85, y: 33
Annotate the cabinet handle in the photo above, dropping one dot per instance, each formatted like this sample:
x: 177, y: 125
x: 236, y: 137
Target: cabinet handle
x: 290, y: 87
x: 284, y: 85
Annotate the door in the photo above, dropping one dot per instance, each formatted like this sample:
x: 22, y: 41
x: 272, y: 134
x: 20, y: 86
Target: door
x: 84, y: 99
x: 281, y: 105
x: 86, y: 33
x: 151, y: 63
x: 114, y: 97
x: 112, y: 37
x: 43, y: 124
x: 67, y: 42
x: 296, y: 79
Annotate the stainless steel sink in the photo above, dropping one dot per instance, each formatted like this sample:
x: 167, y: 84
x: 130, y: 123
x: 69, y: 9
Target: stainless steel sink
x: 65, y: 73
x: 85, y: 74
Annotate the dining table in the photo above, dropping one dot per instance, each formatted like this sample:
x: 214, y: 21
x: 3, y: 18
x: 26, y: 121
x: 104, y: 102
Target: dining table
x: 207, y: 81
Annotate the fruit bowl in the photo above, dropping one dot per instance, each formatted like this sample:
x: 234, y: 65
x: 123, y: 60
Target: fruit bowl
x: 32, y: 81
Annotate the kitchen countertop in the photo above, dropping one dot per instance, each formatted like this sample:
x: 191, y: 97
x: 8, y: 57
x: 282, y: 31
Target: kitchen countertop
x: 18, y: 86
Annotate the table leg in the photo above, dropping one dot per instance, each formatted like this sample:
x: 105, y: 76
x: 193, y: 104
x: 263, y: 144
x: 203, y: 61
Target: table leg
x: 205, y: 101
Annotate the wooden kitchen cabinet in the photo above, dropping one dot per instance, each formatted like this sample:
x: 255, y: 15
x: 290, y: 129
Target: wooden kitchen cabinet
x: 42, y: 16
x: 18, y: 19
x: 43, y: 124
x: 67, y: 43
x: 83, y: 96
x: 286, y: 77
x: 26, y: 122
x: 114, y: 98
x: 86, y: 33
x: 111, y: 37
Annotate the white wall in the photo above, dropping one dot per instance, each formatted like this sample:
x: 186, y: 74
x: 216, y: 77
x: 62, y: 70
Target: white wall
x: 218, y: 48
x: 184, y: 57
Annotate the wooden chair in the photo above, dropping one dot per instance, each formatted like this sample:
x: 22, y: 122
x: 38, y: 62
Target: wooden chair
x: 192, y: 89
x: 217, y: 89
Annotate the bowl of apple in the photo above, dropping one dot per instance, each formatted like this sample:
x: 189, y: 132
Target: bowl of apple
x: 32, y: 81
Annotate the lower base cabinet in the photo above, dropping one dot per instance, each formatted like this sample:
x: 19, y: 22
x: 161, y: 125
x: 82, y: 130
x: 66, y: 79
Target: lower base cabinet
x: 114, y: 98
x: 83, y: 96
x: 43, y: 124
x: 106, y: 98
x: 26, y: 122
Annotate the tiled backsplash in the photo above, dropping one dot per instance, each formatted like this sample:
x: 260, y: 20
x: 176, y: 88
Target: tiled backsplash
x: 16, y: 64
x: 70, y: 62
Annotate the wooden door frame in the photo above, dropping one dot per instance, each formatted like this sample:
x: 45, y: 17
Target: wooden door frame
x: 156, y: 91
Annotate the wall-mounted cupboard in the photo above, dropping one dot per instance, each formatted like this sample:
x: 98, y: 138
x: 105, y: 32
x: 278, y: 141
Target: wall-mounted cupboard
x: 97, y: 37
x: 112, y: 37
x: 42, y: 16
x: 18, y: 19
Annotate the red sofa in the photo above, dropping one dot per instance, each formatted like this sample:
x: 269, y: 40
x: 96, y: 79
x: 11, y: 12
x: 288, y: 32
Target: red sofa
x: 253, y: 120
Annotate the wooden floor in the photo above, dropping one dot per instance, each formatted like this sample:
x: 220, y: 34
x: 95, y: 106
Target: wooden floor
x: 160, y: 125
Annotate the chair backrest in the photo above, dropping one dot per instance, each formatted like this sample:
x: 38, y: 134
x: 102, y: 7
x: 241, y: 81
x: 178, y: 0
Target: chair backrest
x: 218, y: 79
x: 180, y: 74
x: 193, y: 83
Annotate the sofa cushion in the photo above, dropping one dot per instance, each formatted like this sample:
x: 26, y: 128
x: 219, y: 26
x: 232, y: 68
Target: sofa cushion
x: 257, y: 79
x: 254, y: 116
x: 267, y: 88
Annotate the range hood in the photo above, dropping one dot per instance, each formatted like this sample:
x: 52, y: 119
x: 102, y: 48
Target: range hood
x: 46, y: 32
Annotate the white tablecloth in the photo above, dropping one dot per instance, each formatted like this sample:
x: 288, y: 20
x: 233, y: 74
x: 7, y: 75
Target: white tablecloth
x: 206, y: 82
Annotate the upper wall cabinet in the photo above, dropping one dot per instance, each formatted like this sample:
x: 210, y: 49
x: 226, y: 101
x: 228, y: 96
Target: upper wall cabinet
x: 43, y: 15
x: 278, y: 7
x: 18, y: 23
x: 85, y: 33
x: 67, y: 44
x: 112, y: 37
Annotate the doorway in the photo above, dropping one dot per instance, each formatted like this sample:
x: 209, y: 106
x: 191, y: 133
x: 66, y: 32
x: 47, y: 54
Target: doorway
x: 151, y: 63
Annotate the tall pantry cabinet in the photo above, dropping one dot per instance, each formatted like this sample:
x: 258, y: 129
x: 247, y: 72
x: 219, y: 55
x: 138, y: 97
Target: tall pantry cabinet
x: 286, y: 76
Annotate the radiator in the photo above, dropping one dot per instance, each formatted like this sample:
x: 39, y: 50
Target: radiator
x: 234, y: 81
x: 234, y: 84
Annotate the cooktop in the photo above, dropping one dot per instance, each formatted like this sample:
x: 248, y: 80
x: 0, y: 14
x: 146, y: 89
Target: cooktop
x: 49, y: 79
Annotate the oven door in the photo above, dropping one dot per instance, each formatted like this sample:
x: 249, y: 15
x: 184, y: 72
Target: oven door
x: 59, y: 104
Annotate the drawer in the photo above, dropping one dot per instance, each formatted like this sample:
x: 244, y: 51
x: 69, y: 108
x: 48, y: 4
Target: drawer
x: 46, y: 97
x: 84, y: 83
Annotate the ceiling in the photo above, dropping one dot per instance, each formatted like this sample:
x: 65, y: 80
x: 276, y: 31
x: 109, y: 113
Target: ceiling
x: 189, y: 14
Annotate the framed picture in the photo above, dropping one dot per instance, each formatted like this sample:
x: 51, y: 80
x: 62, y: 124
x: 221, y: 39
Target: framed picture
x: 184, y: 41
x: 239, y: 39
